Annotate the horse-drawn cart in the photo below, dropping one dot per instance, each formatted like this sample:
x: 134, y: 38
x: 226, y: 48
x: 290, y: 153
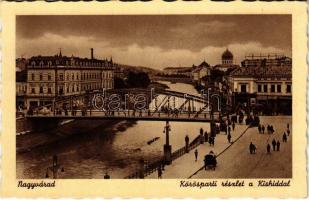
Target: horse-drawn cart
x: 210, y: 161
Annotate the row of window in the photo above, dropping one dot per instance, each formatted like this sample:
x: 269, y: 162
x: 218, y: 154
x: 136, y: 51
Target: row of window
x: 73, y: 89
x: 85, y: 76
x: 49, y: 77
x: 41, y: 90
x: 72, y: 63
x: 273, y: 88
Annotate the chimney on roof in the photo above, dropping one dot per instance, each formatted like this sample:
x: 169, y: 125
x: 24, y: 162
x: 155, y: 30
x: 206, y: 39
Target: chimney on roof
x: 91, y: 53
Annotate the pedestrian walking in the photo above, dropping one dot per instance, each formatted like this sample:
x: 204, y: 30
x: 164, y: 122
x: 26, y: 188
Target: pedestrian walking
x: 229, y: 137
x: 278, y: 145
x: 251, y: 148
x: 263, y: 129
x: 233, y: 126
x: 206, y: 136
x: 272, y: 129
x: 268, y: 148
x: 229, y: 130
x: 288, y: 131
x: 159, y: 172
x: 284, y: 137
x: 210, y: 140
x: 259, y: 128
x: 274, y: 143
x: 196, y: 154
x: 187, y: 143
x: 202, y: 138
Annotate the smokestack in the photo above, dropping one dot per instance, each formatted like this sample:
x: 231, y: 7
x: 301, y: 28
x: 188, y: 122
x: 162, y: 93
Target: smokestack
x: 91, y: 53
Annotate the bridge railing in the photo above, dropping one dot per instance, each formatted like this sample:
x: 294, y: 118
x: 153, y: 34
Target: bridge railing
x: 123, y: 114
x: 153, y: 167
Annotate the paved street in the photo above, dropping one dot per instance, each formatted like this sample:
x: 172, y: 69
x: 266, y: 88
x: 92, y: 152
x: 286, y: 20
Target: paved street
x: 185, y: 166
x: 236, y: 161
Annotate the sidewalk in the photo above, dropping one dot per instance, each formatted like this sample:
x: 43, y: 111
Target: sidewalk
x: 185, y: 166
x: 237, y: 162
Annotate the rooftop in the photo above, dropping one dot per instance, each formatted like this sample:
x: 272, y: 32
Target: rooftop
x: 267, y: 71
x: 227, y: 55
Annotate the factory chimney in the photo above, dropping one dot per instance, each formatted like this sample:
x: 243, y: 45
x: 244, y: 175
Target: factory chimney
x: 91, y: 53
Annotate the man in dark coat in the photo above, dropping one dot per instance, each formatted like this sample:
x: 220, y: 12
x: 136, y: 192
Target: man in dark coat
x: 268, y: 148
x: 274, y: 143
x: 187, y: 143
x: 196, y: 154
x: 206, y: 136
x: 284, y: 137
x: 251, y: 147
x: 278, y: 145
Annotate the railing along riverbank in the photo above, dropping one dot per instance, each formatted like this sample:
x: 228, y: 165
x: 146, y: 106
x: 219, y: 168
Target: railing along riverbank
x: 153, y: 167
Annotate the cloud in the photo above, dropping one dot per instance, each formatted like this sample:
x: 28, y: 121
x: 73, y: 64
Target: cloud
x: 192, y: 32
x: 49, y: 44
x: 159, y: 58
x: 203, y: 28
x: 137, y: 55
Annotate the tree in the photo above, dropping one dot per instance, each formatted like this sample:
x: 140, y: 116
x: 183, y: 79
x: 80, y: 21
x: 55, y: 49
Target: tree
x: 138, y: 79
x: 119, y: 83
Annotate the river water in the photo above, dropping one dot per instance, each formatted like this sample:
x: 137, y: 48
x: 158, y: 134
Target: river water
x: 114, y: 149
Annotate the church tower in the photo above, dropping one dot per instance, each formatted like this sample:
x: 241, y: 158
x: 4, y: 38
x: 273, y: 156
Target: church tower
x: 227, y: 57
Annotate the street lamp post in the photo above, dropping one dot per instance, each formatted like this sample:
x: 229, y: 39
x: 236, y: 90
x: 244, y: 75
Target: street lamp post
x: 167, y: 146
x: 54, y: 168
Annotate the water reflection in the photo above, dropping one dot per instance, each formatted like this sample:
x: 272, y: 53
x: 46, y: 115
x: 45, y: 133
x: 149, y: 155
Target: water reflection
x: 116, y: 149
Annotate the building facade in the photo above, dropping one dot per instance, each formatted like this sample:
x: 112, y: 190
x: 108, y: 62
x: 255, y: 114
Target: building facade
x: 266, y: 60
x: 201, y: 71
x: 21, y: 88
x: 49, y: 77
x: 269, y: 86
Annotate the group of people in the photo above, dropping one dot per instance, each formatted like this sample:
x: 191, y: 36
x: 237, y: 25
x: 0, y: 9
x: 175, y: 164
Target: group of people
x: 275, y: 143
x: 270, y: 129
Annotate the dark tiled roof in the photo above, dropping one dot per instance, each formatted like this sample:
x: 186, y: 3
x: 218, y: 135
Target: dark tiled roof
x: 268, y: 71
x: 204, y: 64
x: 62, y: 60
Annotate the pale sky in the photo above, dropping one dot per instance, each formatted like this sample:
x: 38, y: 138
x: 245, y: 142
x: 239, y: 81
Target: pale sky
x: 155, y: 41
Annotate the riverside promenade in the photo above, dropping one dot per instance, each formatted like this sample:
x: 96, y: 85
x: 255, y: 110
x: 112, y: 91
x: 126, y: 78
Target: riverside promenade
x: 234, y: 160
x: 237, y: 162
x: 186, y: 165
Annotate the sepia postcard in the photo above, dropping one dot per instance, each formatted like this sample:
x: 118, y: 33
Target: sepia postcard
x: 153, y: 100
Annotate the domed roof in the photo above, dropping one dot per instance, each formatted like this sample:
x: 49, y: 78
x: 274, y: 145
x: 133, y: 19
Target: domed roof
x: 227, y: 55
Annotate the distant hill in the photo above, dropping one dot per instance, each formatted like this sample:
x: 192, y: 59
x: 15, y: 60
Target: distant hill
x: 147, y: 70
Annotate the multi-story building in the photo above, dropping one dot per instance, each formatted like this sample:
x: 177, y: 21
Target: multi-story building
x: 21, y: 88
x: 266, y: 60
x: 268, y: 85
x: 21, y: 64
x: 54, y: 76
x: 201, y: 71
